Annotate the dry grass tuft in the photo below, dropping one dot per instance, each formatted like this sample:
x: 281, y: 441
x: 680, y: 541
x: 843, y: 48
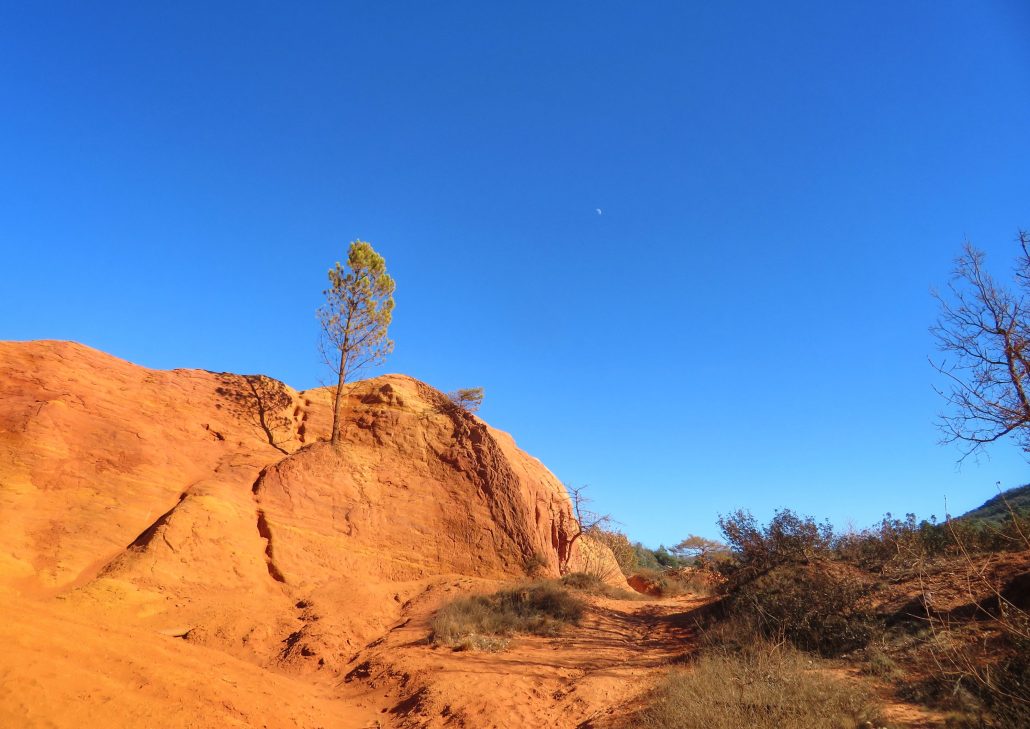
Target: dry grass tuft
x: 594, y: 585
x: 485, y: 622
x: 761, y: 689
x: 673, y: 582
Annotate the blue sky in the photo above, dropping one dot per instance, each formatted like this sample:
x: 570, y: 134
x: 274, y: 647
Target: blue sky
x: 744, y: 325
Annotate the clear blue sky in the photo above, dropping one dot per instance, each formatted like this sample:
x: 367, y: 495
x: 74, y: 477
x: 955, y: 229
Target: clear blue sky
x: 745, y: 325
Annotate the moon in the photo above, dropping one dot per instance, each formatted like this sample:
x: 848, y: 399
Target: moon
x: 599, y: 212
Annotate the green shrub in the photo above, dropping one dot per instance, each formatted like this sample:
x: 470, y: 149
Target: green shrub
x: 760, y: 689
x: 583, y: 581
x: 667, y: 559
x: 903, y: 542
x: 485, y: 621
x: 879, y: 663
x: 644, y: 557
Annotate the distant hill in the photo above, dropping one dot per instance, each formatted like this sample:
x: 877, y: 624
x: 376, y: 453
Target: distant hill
x: 997, y: 507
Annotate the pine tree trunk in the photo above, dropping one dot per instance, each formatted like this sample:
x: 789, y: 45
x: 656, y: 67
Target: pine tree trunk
x: 338, y: 404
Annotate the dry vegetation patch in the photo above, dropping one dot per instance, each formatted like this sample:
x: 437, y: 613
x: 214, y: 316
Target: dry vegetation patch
x: 673, y: 582
x: 762, y: 688
x: 818, y: 607
x: 594, y: 585
x: 486, y: 622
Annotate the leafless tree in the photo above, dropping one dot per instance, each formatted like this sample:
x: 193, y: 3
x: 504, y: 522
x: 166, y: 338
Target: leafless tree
x: 984, y: 331
x: 583, y: 521
x: 260, y: 401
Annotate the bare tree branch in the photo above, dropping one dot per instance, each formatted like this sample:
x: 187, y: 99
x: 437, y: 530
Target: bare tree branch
x: 984, y: 332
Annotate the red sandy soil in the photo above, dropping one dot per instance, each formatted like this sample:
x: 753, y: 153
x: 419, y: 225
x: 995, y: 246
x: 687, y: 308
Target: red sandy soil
x: 68, y: 668
x: 586, y: 677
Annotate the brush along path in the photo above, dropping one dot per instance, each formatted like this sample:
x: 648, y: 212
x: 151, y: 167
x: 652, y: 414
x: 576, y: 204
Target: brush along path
x: 69, y: 663
x: 582, y: 677
x: 593, y: 675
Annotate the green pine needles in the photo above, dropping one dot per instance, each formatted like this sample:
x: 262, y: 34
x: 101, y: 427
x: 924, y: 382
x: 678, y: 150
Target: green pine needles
x: 355, y: 317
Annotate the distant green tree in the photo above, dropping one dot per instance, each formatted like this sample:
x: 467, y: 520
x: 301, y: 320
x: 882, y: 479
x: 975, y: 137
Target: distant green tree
x: 355, y: 317
x: 645, y: 557
x: 666, y: 558
x: 699, y: 549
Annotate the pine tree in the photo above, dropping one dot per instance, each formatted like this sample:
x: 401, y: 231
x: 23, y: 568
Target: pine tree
x: 355, y: 318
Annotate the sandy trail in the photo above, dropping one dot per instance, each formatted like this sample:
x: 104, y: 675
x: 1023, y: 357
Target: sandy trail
x: 578, y: 679
x: 64, y: 667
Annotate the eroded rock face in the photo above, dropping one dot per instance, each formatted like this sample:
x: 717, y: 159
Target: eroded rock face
x: 416, y: 488
x: 93, y: 450
x: 206, y: 502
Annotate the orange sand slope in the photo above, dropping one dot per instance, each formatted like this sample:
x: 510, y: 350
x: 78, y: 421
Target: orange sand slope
x: 179, y: 549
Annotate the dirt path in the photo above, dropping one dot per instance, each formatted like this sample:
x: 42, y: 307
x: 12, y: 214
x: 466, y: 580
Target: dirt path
x: 593, y: 676
x: 63, y: 668
x: 579, y: 679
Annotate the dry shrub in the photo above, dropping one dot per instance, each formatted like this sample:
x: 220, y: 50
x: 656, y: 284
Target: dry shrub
x: 996, y: 666
x: 673, y: 582
x: 762, y: 688
x: 987, y: 652
x: 535, y: 564
x: 783, y: 581
x: 484, y: 622
x: 787, y: 539
x: 1008, y: 694
x: 987, y: 677
x: 812, y: 606
x: 594, y: 585
x: 622, y: 549
x: 695, y: 581
x: 898, y: 544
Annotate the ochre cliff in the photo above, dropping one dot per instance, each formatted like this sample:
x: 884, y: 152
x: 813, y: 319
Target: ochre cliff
x: 206, y: 506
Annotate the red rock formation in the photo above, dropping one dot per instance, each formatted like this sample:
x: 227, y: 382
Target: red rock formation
x: 191, y: 498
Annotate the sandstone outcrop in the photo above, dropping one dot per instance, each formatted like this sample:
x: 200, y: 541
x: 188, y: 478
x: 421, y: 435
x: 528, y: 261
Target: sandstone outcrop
x: 204, y: 506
